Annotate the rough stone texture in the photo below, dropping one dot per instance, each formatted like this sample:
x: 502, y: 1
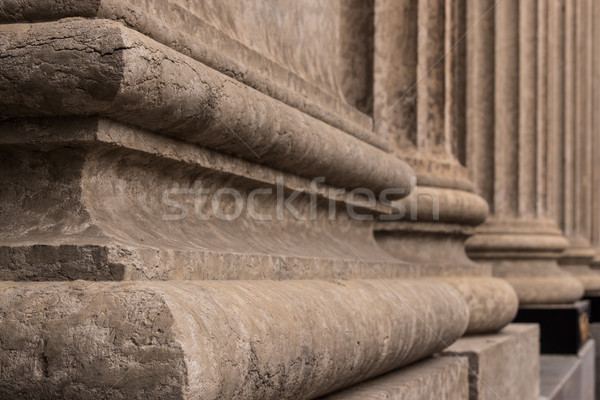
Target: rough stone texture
x: 215, y: 340
x: 284, y: 89
x: 133, y: 79
x: 492, y: 302
x: 86, y: 212
x: 505, y: 365
x: 436, y: 378
x: 568, y: 377
x: 260, y: 59
x: 422, y: 119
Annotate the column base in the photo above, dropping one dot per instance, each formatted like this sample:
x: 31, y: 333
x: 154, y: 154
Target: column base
x: 216, y: 340
x: 525, y: 252
x: 564, y: 328
x: 504, y: 365
x: 492, y: 302
x: 577, y: 259
x: 546, y: 289
x: 438, y: 250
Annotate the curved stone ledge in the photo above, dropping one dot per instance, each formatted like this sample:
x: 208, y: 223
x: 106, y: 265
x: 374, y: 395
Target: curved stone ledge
x: 85, y: 199
x: 87, y: 67
x: 595, y: 264
x: 525, y: 253
x: 577, y: 260
x: 189, y: 34
x: 589, y: 278
x: 493, y: 245
x: 546, y: 289
x: 439, y: 204
x: 492, y: 302
x: 217, y: 340
x: 520, y: 237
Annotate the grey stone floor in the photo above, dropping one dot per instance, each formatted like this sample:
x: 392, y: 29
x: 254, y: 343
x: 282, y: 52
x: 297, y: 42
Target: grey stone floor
x: 568, y: 377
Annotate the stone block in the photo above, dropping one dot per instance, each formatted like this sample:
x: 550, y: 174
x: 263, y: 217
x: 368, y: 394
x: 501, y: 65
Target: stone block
x: 435, y: 378
x: 503, y: 365
x: 595, y: 334
x: 568, y: 377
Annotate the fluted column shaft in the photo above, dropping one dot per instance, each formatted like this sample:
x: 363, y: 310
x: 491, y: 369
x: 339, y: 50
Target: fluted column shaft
x: 426, y: 124
x: 518, y: 239
x: 595, y: 132
x: 577, y: 144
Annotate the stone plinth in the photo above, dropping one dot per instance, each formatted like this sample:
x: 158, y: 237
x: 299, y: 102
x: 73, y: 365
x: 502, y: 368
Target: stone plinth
x: 505, y: 365
x: 568, y: 377
x: 435, y: 378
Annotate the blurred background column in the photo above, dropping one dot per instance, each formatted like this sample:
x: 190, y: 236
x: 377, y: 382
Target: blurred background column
x: 576, y: 211
x: 419, y: 103
x: 510, y: 148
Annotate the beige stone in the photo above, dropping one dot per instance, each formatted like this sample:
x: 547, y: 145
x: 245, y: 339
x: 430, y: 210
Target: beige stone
x: 509, y: 156
x: 477, y: 114
x: 100, y: 221
x: 232, y: 43
x: 505, y: 365
x: 419, y: 108
x: 435, y: 378
x: 214, y: 340
x: 525, y: 253
x: 198, y: 104
x: 577, y: 260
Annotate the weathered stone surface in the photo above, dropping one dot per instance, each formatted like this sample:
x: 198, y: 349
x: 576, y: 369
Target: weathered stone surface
x: 450, y: 204
x: 91, y: 205
x: 436, y: 378
x: 214, y: 340
x: 568, y: 377
x: 230, y: 41
x: 492, y: 302
x: 505, y: 365
x: 525, y: 253
x: 131, y: 78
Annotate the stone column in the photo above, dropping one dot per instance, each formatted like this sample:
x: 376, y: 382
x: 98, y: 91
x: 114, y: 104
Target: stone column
x: 577, y: 210
x: 423, y: 113
x: 508, y: 145
x: 595, y: 133
x: 174, y: 225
